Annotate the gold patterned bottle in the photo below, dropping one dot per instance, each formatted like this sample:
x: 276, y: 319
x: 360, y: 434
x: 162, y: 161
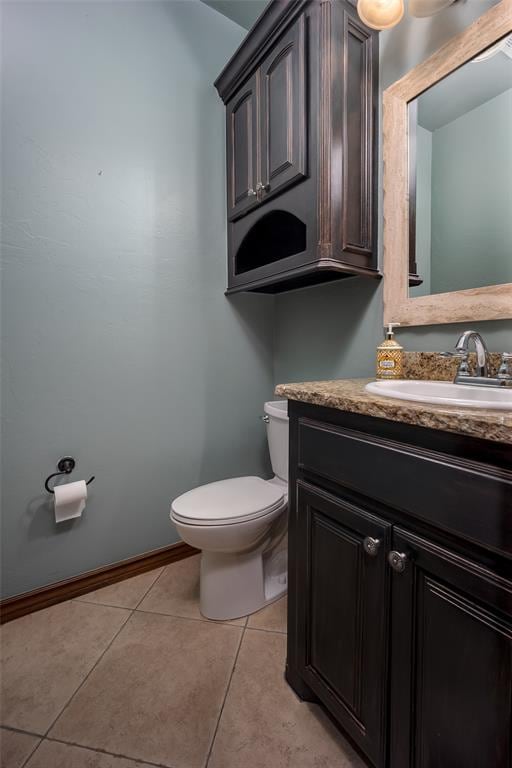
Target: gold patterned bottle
x: 389, y: 356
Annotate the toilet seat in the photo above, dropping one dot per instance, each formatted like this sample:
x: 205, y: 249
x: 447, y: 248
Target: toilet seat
x: 226, y: 502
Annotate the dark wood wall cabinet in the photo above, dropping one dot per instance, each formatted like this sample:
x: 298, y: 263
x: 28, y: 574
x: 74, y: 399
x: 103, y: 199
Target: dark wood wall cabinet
x: 400, y: 587
x: 301, y: 129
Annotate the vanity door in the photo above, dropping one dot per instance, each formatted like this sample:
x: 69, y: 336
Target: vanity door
x: 343, y: 612
x: 451, y: 660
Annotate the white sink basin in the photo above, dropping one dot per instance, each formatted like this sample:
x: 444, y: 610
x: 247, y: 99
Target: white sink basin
x: 445, y: 393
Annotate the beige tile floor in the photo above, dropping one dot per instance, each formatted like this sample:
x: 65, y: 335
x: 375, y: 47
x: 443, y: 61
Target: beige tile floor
x: 132, y: 676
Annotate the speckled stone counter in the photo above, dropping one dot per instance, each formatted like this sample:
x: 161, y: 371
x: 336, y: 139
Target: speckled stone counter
x: 350, y: 395
x: 432, y: 366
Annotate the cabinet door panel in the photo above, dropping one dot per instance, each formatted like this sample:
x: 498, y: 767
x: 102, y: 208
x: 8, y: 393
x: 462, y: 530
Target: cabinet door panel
x: 342, y: 617
x: 335, y: 551
x: 283, y: 111
x: 358, y: 119
x: 451, y: 661
x: 242, y: 136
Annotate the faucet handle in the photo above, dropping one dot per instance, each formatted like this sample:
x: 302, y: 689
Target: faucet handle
x: 505, y: 369
x: 463, y: 369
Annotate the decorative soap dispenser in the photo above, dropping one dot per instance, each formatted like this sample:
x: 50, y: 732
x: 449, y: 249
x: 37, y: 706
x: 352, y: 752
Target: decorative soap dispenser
x: 389, y: 356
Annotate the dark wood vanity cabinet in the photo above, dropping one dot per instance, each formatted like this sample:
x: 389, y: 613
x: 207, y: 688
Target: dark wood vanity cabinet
x: 400, y: 587
x: 301, y: 127
x: 342, y: 644
x: 451, y: 660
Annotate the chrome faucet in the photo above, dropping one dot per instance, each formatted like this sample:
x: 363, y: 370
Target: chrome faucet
x: 481, y: 376
x: 482, y: 354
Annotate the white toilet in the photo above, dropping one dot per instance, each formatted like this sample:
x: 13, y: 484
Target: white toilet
x: 240, y: 526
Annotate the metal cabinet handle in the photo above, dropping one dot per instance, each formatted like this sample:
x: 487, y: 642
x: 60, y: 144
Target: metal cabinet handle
x: 260, y: 187
x: 251, y: 192
x: 371, y: 546
x: 398, y: 561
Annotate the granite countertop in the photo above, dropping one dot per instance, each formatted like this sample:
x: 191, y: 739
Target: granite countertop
x: 349, y: 395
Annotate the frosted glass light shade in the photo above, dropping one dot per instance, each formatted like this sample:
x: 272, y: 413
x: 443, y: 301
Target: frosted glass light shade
x: 380, y: 14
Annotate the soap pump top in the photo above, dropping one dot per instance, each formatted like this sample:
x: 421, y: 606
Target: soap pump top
x: 389, y: 356
x: 390, y: 333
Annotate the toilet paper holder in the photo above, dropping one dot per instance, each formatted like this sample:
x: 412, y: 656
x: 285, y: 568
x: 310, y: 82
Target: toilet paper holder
x: 65, y: 466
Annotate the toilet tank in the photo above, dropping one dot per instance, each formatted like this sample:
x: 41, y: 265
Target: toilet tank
x: 276, y: 418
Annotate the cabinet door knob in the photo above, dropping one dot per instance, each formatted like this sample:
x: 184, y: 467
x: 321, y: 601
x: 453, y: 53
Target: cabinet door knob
x: 251, y: 192
x: 397, y: 560
x: 260, y: 187
x: 371, y: 546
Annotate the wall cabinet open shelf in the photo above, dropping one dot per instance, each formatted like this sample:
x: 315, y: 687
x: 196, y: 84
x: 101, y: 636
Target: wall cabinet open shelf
x: 301, y: 132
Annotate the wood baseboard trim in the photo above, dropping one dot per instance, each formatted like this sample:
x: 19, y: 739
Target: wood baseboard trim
x: 28, y: 602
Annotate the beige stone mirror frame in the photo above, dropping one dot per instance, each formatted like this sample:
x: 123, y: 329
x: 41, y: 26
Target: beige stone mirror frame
x: 493, y: 302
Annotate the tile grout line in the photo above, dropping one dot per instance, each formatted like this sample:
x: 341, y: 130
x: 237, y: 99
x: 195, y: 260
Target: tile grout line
x: 208, y: 756
x: 219, y: 623
x: 101, y: 751
x: 111, y: 605
x: 68, y: 702
x: 194, y: 618
x: 45, y: 737
x: 271, y: 631
x: 228, y: 623
x: 153, y: 583
x: 34, y: 750
x: 57, y: 740
x: 5, y: 727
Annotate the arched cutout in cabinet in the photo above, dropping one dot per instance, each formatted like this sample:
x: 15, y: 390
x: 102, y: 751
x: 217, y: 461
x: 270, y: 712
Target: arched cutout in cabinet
x: 275, y: 236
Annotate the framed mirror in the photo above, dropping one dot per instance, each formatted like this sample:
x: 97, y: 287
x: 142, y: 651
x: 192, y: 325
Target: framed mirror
x: 447, y: 146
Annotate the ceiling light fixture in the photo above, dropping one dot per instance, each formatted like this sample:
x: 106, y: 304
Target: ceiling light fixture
x: 384, y: 14
x: 380, y: 14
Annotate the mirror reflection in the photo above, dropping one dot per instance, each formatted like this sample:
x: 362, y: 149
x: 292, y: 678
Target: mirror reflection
x: 460, y: 154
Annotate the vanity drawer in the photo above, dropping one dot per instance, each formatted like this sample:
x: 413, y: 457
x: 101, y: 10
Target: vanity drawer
x: 467, y: 498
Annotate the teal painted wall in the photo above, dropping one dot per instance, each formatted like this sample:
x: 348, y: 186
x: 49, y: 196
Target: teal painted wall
x: 332, y: 331
x: 472, y: 199
x: 118, y: 345
x: 244, y: 12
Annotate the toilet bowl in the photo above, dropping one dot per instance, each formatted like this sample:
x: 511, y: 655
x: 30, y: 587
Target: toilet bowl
x: 240, y: 526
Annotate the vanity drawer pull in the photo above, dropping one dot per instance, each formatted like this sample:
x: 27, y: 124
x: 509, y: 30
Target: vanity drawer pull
x: 371, y: 546
x: 398, y: 561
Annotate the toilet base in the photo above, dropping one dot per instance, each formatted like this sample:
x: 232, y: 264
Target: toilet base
x: 236, y: 585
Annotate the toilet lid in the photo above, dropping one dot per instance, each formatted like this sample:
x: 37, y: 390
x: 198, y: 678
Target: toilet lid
x: 228, y: 501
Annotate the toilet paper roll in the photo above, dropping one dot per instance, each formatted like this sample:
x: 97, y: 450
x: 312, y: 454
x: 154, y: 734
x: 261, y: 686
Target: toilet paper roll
x: 70, y: 500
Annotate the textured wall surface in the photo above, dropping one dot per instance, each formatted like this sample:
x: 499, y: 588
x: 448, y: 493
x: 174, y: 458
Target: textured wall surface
x: 118, y: 345
x: 244, y: 12
x: 332, y: 331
